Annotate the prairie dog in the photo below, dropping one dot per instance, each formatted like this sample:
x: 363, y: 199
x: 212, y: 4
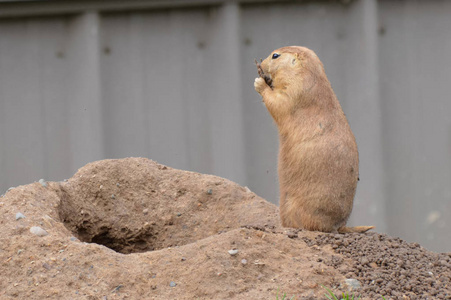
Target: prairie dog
x: 318, y: 157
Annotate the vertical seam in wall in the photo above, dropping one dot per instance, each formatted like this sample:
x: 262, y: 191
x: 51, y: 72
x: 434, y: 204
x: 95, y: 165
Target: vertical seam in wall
x: 371, y: 23
x: 98, y: 87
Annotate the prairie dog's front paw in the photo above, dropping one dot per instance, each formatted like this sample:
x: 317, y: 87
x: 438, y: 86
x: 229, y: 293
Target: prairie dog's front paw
x: 260, y: 84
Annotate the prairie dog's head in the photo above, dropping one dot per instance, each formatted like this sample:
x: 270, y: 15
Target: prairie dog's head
x: 293, y: 69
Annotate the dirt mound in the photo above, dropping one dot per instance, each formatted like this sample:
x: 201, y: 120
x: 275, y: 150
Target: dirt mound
x: 134, y: 229
x: 137, y: 205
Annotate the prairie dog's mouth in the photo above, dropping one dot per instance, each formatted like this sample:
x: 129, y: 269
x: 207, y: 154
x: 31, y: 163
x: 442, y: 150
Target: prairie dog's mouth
x: 261, y: 73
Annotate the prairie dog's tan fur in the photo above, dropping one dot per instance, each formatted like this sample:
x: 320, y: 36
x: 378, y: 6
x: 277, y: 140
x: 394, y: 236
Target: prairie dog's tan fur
x: 318, y: 157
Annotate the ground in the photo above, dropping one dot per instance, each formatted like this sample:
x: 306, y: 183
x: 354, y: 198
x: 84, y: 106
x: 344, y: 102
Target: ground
x: 134, y: 229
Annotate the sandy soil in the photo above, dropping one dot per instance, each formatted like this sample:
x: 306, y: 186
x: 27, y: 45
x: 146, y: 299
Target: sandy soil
x: 134, y: 229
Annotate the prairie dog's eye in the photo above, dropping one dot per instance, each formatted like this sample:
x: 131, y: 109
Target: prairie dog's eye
x: 275, y: 55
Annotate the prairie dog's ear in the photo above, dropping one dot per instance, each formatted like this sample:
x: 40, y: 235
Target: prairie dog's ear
x: 296, y: 58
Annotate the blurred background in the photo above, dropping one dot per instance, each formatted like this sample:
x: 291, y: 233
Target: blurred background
x: 173, y: 81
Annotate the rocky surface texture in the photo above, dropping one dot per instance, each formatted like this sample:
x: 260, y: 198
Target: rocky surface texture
x: 134, y: 229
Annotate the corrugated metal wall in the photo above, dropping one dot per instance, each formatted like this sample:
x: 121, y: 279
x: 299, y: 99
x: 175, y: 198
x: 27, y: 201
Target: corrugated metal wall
x: 173, y: 81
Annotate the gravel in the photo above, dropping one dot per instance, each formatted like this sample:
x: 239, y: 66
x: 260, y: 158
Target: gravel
x: 398, y: 270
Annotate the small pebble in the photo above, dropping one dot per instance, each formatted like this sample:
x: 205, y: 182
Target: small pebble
x: 36, y: 230
x: 20, y: 251
x: 353, y: 284
x: 233, y: 252
x: 210, y: 191
x: 42, y: 182
x: 145, y: 211
x: 172, y: 284
x: 292, y: 235
x: 117, y: 288
x: 19, y: 216
x: 244, y: 261
x: 113, y: 196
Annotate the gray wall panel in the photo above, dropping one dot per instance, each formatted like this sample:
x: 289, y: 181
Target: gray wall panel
x: 415, y: 72
x: 33, y: 101
x: 83, y: 90
x: 168, y: 91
